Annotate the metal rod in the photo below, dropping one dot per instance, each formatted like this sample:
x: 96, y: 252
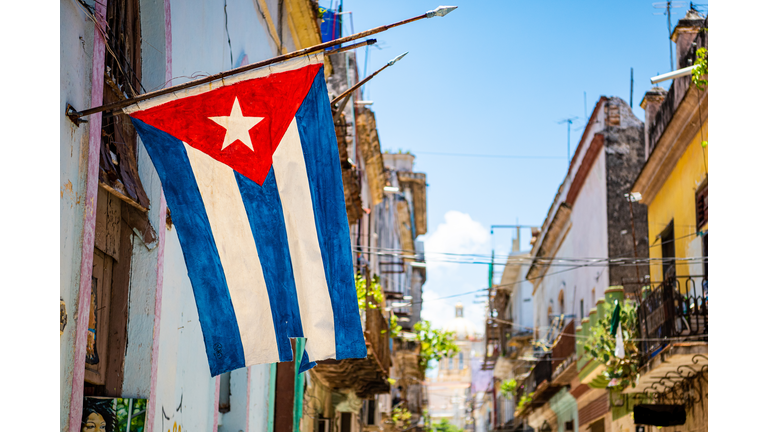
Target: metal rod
x: 349, y: 47
x: 674, y: 74
x: 356, y: 86
x: 344, y: 97
x: 440, y: 11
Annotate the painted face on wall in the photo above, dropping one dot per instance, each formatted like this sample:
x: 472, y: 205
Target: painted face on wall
x: 94, y: 423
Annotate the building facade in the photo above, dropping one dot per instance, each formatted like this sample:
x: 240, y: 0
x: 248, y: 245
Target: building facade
x: 450, y: 391
x: 129, y: 327
x: 673, y: 310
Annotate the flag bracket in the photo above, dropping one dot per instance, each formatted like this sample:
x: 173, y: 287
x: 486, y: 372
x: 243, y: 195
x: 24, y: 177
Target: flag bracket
x: 74, y: 115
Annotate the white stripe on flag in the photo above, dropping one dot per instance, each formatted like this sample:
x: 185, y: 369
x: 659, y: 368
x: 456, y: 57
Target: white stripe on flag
x: 308, y: 270
x: 239, y: 258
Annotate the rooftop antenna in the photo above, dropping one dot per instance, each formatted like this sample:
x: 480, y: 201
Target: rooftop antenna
x: 631, y: 85
x: 669, y: 5
x: 570, y: 122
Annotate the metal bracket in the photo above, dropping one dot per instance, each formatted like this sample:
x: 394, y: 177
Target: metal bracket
x: 74, y: 115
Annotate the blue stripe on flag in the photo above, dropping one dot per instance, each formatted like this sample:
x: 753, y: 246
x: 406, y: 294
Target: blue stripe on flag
x: 221, y: 333
x: 321, y: 156
x: 265, y: 214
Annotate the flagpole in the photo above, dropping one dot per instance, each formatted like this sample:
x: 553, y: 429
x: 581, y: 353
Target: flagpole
x: 349, y: 47
x: 343, y: 98
x: 76, y: 115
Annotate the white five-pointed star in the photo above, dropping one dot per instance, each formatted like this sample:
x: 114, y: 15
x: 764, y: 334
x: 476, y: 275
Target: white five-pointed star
x: 237, y: 126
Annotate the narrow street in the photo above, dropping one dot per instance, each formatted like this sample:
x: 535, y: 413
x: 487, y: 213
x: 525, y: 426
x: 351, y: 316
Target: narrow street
x: 359, y: 216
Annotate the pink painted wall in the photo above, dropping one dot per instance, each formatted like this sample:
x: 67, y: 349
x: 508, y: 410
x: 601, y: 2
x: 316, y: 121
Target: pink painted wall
x: 89, y: 224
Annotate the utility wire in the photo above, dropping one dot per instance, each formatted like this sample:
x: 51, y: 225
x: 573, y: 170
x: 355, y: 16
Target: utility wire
x: 487, y: 155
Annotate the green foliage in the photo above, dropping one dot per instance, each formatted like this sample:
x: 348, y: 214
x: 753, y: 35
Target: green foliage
x: 601, y: 346
x: 401, y: 416
x: 700, y: 69
x: 524, y: 400
x: 445, y: 426
x: 435, y: 344
x: 508, y: 388
x: 374, y: 291
x: 394, y: 327
x: 137, y: 417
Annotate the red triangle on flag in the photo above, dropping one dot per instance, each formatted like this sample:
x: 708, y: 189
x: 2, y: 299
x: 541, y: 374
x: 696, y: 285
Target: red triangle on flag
x: 275, y: 98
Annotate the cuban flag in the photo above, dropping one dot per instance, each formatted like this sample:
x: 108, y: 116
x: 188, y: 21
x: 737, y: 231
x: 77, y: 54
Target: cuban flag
x: 250, y: 170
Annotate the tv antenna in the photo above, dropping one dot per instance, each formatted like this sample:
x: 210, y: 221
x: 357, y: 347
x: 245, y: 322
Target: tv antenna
x: 570, y: 122
x: 668, y: 5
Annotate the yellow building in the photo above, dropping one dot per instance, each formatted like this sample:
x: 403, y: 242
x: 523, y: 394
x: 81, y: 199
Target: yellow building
x: 673, y: 182
x: 673, y: 309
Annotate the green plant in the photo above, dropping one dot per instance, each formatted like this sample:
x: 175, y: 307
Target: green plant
x: 445, y: 426
x: 401, y: 416
x: 374, y: 291
x: 600, y: 345
x: 435, y: 344
x: 508, y: 388
x: 524, y: 400
x: 394, y: 327
x: 700, y: 69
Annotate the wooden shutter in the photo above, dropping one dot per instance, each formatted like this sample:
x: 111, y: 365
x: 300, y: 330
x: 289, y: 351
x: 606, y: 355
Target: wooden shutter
x: 701, y: 207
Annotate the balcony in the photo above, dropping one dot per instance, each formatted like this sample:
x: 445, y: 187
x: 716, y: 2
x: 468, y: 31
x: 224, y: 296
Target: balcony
x: 367, y: 376
x: 675, y: 310
x: 564, y: 356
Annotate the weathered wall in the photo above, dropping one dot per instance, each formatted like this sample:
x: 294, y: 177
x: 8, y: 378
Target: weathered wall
x: 206, y: 39
x: 624, y: 149
x: 586, y: 235
x: 76, y: 50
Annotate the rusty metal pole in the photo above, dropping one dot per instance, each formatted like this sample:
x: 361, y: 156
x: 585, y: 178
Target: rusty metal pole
x: 73, y: 114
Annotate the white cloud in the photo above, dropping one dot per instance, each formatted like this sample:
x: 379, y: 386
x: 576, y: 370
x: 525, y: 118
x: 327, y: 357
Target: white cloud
x: 435, y: 309
x: 459, y: 234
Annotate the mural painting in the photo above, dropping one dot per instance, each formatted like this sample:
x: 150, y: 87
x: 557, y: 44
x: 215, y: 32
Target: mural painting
x: 91, y: 356
x: 113, y: 415
x: 172, y: 418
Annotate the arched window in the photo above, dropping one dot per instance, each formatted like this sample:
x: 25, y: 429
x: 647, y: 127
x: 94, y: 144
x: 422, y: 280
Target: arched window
x: 561, y: 301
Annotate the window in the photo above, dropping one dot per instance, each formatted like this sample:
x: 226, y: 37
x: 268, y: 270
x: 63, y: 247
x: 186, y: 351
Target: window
x: 668, y: 251
x: 118, y: 167
x: 461, y: 361
x: 224, y: 392
x: 582, y: 308
x: 561, y: 301
x: 701, y: 206
x: 705, y: 253
x: 98, y: 321
x: 346, y: 422
x: 370, y: 411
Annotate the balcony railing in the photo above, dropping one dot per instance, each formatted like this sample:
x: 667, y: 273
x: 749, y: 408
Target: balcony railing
x: 674, y: 310
x: 377, y: 334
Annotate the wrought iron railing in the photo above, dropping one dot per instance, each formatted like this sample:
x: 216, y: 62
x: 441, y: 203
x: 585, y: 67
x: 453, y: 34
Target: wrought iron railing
x: 674, y: 310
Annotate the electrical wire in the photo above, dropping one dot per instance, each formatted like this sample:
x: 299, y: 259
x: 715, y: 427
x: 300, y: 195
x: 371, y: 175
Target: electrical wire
x: 680, y: 338
x: 487, y: 155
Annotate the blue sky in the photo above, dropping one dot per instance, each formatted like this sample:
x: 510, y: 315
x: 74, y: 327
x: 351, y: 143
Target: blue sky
x: 494, y: 78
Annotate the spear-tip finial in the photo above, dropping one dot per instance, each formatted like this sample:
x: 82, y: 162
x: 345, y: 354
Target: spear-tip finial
x: 441, y: 11
x: 396, y: 59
